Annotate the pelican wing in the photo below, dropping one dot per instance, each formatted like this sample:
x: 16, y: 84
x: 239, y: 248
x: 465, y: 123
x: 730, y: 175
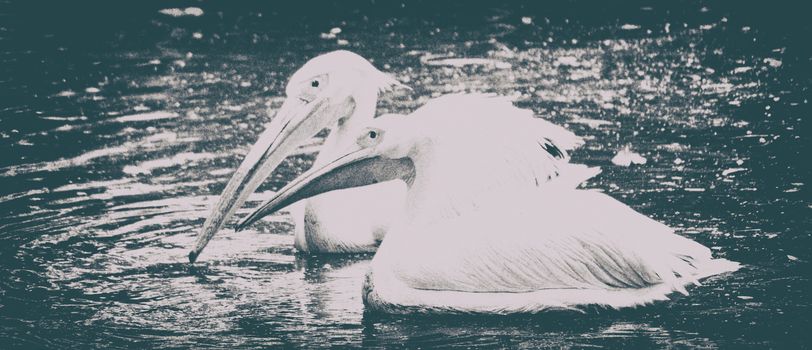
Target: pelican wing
x: 573, y: 239
x: 492, y: 113
x: 474, y: 129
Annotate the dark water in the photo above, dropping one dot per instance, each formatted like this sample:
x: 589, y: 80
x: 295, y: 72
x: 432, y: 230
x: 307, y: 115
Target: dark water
x: 120, y: 125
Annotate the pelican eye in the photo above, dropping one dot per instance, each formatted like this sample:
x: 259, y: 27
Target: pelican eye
x: 370, y: 138
x: 314, y: 83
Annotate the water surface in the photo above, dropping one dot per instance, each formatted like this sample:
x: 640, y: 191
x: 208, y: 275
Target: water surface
x: 121, y: 123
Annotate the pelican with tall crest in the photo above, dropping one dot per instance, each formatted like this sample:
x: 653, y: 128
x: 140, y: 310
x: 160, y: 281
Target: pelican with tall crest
x: 493, y: 221
x: 337, y: 90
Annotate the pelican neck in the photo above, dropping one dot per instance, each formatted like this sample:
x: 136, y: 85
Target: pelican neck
x: 346, y: 131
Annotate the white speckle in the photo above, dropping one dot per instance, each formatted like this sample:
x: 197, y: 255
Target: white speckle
x: 462, y: 62
x: 592, y: 123
x: 706, y: 26
x: 629, y: 27
x: 667, y: 28
x: 527, y: 20
x: 220, y: 172
x: 134, y: 170
x: 772, y: 62
x: 180, y: 63
x: 178, y: 159
x: 625, y: 157
x: 738, y: 70
x: 232, y: 108
x: 745, y: 29
x: 673, y: 147
x: 342, y: 42
x: 66, y: 93
x: 197, y: 35
x: 678, y: 161
x: 154, y: 62
x: 140, y: 117
x: 335, y: 31
x: 762, y: 140
x: 727, y: 172
x: 327, y: 36
x: 695, y: 189
x: 792, y: 258
x: 87, y: 156
x: 739, y: 162
x: 70, y: 119
x: 245, y: 84
x: 176, y: 12
x: 193, y: 11
x: 328, y: 267
x: 92, y: 90
x: 567, y: 61
x: 744, y: 297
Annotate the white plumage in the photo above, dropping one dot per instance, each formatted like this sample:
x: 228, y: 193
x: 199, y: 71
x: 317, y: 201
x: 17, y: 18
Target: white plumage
x: 493, y: 221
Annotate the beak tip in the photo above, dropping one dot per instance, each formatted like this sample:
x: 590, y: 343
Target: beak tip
x: 245, y: 222
x: 193, y: 256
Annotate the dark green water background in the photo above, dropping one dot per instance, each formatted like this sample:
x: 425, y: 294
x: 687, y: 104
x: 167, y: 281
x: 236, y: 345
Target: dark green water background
x: 120, y: 125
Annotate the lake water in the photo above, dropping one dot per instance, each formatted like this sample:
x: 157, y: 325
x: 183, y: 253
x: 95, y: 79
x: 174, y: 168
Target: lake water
x: 121, y: 123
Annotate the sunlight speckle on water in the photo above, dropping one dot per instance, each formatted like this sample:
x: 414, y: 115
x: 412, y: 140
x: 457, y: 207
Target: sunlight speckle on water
x: 119, y: 138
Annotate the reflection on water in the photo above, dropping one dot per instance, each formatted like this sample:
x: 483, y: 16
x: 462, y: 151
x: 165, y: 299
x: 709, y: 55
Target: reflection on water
x: 120, y: 131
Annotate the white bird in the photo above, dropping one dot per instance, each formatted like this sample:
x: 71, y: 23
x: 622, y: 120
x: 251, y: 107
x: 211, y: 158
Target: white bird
x: 337, y: 90
x: 494, y: 222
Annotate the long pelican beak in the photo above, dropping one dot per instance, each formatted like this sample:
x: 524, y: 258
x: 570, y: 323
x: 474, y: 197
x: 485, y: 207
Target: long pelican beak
x: 296, y: 121
x: 354, y: 169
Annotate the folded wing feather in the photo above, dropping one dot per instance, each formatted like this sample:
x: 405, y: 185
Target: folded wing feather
x: 572, y: 239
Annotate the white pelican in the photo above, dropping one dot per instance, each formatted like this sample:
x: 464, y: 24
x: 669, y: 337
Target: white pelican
x: 338, y: 90
x: 482, y: 235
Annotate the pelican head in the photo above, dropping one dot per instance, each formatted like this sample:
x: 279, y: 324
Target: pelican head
x: 379, y: 154
x: 328, y: 90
